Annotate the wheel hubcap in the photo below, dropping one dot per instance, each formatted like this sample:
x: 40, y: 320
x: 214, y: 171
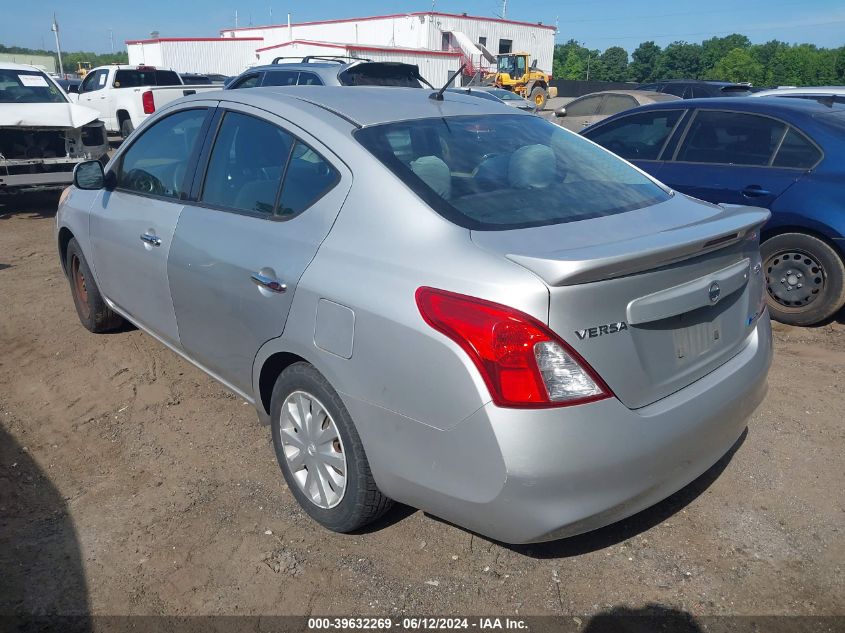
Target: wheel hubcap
x: 794, y: 279
x: 79, y: 286
x: 313, y: 449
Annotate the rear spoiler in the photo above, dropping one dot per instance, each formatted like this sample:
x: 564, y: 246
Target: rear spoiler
x: 617, y: 259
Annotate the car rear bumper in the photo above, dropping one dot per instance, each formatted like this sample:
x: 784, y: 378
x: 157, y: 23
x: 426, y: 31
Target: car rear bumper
x: 523, y: 476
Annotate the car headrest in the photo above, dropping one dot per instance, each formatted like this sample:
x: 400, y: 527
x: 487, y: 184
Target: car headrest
x: 532, y: 167
x: 435, y: 173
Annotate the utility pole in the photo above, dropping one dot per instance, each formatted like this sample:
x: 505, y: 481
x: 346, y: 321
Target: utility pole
x: 236, y: 18
x: 55, y: 28
x: 111, y: 40
x: 504, y: 9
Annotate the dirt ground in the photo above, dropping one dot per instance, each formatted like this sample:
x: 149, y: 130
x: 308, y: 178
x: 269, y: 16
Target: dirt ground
x: 131, y: 483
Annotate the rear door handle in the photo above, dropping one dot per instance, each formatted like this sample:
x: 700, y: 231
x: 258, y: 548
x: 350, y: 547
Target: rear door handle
x: 755, y: 191
x: 273, y: 285
x: 149, y: 238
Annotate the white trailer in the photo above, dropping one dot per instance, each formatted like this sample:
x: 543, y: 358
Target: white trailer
x: 217, y: 55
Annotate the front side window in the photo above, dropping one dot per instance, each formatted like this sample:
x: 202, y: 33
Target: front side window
x: 586, y: 106
x: 28, y: 86
x: 679, y: 90
x: 156, y: 163
x: 499, y: 172
x: 614, y: 104
x: 250, y: 81
x: 277, y: 78
x: 732, y: 138
x: 94, y: 81
x: 637, y: 136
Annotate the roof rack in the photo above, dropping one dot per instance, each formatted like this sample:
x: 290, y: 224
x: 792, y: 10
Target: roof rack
x: 338, y: 59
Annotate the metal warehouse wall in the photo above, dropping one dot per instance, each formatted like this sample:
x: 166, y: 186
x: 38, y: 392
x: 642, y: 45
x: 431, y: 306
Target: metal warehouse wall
x: 223, y: 56
x: 47, y: 62
x: 415, y: 31
x: 537, y: 40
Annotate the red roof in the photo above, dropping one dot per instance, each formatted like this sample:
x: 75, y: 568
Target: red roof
x: 196, y: 39
x: 394, y: 15
x: 362, y: 47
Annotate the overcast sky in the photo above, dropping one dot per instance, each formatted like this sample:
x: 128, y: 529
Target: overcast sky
x: 85, y: 24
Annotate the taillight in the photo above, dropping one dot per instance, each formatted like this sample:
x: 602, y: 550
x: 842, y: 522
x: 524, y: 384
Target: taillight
x: 148, y: 102
x: 523, y: 363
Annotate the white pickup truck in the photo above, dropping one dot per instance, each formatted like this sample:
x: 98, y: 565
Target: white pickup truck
x: 125, y: 95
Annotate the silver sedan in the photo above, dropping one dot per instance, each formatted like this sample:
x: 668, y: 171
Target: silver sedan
x: 432, y: 299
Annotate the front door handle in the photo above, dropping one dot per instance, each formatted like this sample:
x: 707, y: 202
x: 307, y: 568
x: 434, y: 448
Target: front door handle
x: 755, y: 191
x: 149, y: 238
x: 273, y: 285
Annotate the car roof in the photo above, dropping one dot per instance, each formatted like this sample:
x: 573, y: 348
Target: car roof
x: 808, y: 90
x: 14, y: 66
x: 365, y: 105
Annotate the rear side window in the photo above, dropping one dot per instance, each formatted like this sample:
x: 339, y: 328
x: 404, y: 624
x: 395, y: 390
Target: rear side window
x: 614, y: 104
x: 278, y: 78
x: 796, y: 151
x: 156, y: 163
x: 246, y: 165
x: 381, y: 74
x: 586, y: 106
x: 499, y: 172
x: 732, y: 138
x: 258, y: 168
x: 637, y: 136
x: 309, y: 79
x: 137, y: 78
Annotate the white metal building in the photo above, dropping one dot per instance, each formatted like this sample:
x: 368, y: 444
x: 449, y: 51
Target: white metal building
x: 437, y: 42
x: 423, y: 31
x: 196, y: 54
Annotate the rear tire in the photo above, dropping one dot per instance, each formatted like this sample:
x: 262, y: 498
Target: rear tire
x: 791, y: 259
x: 538, y: 98
x: 126, y: 128
x: 91, y: 308
x: 312, y: 431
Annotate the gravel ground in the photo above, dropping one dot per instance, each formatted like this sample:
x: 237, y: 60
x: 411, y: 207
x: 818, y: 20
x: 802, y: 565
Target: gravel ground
x: 131, y: 483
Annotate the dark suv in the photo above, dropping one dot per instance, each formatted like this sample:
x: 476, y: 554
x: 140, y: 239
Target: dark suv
x: 697, y: 89
x: 330, y: 71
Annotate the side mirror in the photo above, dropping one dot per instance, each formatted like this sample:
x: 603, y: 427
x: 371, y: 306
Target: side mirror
x: 89, y: 175
x: 561, y: 111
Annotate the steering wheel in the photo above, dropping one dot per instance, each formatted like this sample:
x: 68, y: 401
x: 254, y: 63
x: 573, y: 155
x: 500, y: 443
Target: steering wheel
x: 144, y: 182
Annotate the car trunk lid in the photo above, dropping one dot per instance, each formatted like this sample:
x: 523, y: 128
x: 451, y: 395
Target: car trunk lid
x: 653, y: 299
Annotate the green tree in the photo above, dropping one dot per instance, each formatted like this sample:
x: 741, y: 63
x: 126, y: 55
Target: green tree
x: 738, y: 65
x: 680, y: 60
x: 716, y: 48
x: 572, y: 67
x: 613, y: 65
x: 644, y: 61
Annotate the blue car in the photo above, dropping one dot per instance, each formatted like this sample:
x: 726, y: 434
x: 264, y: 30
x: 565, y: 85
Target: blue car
x: 787, y: 155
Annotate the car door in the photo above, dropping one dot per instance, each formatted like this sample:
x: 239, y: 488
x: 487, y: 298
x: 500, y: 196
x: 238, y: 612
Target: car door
x: 132, y: 225
x: 640, y: 137
x: 267, y: 199
x: 581, y: 112
x: 730, y: 157
x: 93, y: 95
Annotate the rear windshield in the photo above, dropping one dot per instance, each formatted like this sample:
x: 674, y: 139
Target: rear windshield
x: 499, y: 172
x: 28, y: 86
x: 136, y: 78
x: 381, y: 74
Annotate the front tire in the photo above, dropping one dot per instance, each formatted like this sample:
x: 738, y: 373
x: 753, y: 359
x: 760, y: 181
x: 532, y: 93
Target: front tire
x: 805, y: 278
x: 91, y: 308
x: 538, y: 98
x: 320, y: 452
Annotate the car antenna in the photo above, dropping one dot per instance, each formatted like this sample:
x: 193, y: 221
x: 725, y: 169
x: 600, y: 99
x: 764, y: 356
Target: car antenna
x: 438, y: 96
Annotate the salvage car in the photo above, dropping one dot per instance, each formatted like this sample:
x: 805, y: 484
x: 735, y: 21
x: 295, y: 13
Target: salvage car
x: 42, y: 134
x: 594, y: 107
x: 431, y: 298
x: 779, y: 153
